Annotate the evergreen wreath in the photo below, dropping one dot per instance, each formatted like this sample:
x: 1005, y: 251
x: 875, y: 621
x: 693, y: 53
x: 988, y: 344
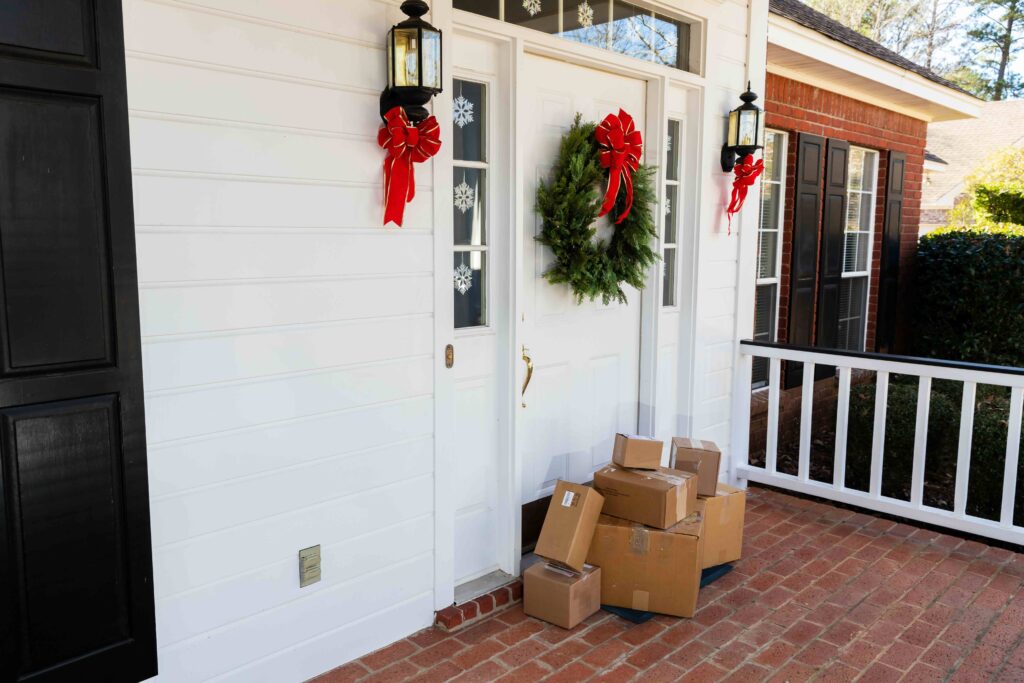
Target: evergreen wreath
x: 569, y: 205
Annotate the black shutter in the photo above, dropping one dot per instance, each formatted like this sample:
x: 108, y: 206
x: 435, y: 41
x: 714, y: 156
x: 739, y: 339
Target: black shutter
x: 804, y: 262
x: 833, y: 224
x: 888, y: 283
x: 76, y: 578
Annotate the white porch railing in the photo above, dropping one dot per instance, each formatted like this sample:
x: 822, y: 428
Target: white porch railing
x: 927, y: 370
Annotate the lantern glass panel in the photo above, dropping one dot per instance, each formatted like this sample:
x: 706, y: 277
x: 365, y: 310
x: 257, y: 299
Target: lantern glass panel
x: 732, y: 139
x: 431, y: 59
x: 390, y: 56
x: 748, y: 127
x: 406, y: 64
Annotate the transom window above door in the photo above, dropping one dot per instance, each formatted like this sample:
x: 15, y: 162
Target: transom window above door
x: 616, y: 25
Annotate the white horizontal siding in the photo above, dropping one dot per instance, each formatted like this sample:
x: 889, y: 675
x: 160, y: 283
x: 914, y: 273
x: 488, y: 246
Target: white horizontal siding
x: 287, y: 338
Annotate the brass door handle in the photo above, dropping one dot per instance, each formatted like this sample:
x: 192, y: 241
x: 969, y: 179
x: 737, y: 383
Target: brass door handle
x: 529, y: 372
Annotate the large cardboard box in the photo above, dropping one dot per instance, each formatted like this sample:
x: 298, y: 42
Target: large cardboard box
x: 697, y: 457
x: 723, y: 524
x: 649, y: 569
x: 561, y: 597
x: 657, y: 498
x: 639, y: 452
x: 569, y: 524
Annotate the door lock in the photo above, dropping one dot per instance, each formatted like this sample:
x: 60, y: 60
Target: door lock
x: 449, y: 356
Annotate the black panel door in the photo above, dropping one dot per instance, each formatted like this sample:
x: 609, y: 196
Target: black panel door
x: 76, y: 596
x: 889, y: 280
x: 833, y: 234
x: 804, y: 263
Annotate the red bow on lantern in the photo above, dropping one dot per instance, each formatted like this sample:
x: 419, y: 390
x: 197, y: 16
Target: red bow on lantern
x: 406, y: 144
x: 747, y: 172
x: 621, y: 148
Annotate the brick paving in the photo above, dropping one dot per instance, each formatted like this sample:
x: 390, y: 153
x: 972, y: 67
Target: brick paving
x: 822, y: 594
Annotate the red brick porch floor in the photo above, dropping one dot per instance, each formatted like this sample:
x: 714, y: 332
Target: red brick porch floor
x: 821, y: 594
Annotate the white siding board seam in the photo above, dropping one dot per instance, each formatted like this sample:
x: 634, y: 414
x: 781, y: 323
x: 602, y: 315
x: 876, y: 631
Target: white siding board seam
x: 195, y: 119
x: 274, y: 280
x: 290, y: 420
x: 270, y: 329
x: 259, y: 522
x: 257, y: 178
x: 343, y: 455
x: 383, y: 233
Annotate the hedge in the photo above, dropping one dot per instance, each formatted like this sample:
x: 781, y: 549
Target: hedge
x: 969, y: 291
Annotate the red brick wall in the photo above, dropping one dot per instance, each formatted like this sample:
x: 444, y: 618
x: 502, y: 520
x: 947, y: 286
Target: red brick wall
x: 796, y: 107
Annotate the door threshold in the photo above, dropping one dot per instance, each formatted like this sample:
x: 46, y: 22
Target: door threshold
x: 481, y: 586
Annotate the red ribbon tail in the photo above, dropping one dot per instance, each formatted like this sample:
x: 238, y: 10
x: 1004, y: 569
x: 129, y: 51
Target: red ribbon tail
x: 396, y: 188
x: 628, y: 182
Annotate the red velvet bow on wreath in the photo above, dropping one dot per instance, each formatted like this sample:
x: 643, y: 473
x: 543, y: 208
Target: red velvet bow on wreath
x: 747, y: 172
x: 406, y: 144
x: 621, y: 147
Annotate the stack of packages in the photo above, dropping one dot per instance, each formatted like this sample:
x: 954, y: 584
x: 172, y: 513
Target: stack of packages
x: 639, y: 538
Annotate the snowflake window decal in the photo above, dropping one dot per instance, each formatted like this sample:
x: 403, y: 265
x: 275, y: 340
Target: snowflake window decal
x: 462, y: 112
x: 463, y: 279
x: 585, y: 14
x: 465, y: 197
x: 668, y: 206
x: 532, y: 7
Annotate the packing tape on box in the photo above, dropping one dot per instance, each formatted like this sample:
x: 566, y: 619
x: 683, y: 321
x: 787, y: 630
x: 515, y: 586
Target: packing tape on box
x: 673, y: 479
x: 640, y: 600
x: 639, y: 539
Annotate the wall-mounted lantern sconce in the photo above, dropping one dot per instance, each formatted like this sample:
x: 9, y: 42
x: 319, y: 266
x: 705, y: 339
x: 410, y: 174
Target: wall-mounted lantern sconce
x: 746, y: 131
x: 414, y: 63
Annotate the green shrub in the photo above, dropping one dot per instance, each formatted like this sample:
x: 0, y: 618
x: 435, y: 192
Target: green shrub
x: 969, y: 294
x: 999, y: 202
x: 994, y: 190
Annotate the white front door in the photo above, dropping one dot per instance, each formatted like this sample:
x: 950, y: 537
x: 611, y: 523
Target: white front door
x: 586, y: 357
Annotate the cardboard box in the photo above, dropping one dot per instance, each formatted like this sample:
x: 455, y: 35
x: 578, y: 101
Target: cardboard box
x: 698, y: 457
x: 639, y: 452
x: 561, y: 597
x: 649, y: 569
x: 723, y: 525
x: 657, y: 498
x: 569, y: 524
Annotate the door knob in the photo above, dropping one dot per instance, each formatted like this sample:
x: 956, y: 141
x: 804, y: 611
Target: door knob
x: 529, y: 373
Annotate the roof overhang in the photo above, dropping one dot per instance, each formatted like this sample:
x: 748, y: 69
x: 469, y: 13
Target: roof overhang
x: 802, y: 54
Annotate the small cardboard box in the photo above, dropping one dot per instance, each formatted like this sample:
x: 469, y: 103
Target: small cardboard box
x: 569, y: 524
x: 561, y: 597
x: 657, y: 498
x: 699, y: 457
x: 639, y: 452
x: 649, y: 569
x: 723, y: 525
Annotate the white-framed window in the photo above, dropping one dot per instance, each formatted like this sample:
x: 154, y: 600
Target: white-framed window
x: 469, y: 200
x: 672, y: 210
x: 769, y: 246
x: 861, y: 196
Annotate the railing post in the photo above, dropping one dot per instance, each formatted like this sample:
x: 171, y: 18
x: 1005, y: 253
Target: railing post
x: 842, y: 422
x: 739, y: 455
x: 924, y: 396
x: 771, y: 448
x: 963, y: 455
x: 1012, y: 456
x: 878, y: 436
x: 806, y: 418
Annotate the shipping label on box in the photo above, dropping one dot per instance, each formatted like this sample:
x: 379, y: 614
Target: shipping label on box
x: 723, y: 525
x: 702, y: 458
x: 569, y: 524
x: 638, y: 452
x: 561, y: 597
x: 657, y: 498
x: 652, y: 570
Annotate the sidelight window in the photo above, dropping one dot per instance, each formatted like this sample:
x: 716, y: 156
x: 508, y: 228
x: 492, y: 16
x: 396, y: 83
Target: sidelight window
x: 469, y: 205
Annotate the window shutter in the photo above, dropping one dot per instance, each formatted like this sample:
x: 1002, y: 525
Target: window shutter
x: 888, y: 283
x: 804, y: 264
x: 833, y: 224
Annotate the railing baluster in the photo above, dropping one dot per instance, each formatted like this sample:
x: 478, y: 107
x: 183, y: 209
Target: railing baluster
x: 878, y: 436
x: 924, y: 397
x: 842, y: 415
x: 1012, y: 453
x: 806, y: 417
x: 772, y: 438
x: 963, y: 456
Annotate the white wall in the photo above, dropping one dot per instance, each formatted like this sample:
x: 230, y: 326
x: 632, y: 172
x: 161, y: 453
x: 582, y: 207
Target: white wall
x: 287, y: 338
